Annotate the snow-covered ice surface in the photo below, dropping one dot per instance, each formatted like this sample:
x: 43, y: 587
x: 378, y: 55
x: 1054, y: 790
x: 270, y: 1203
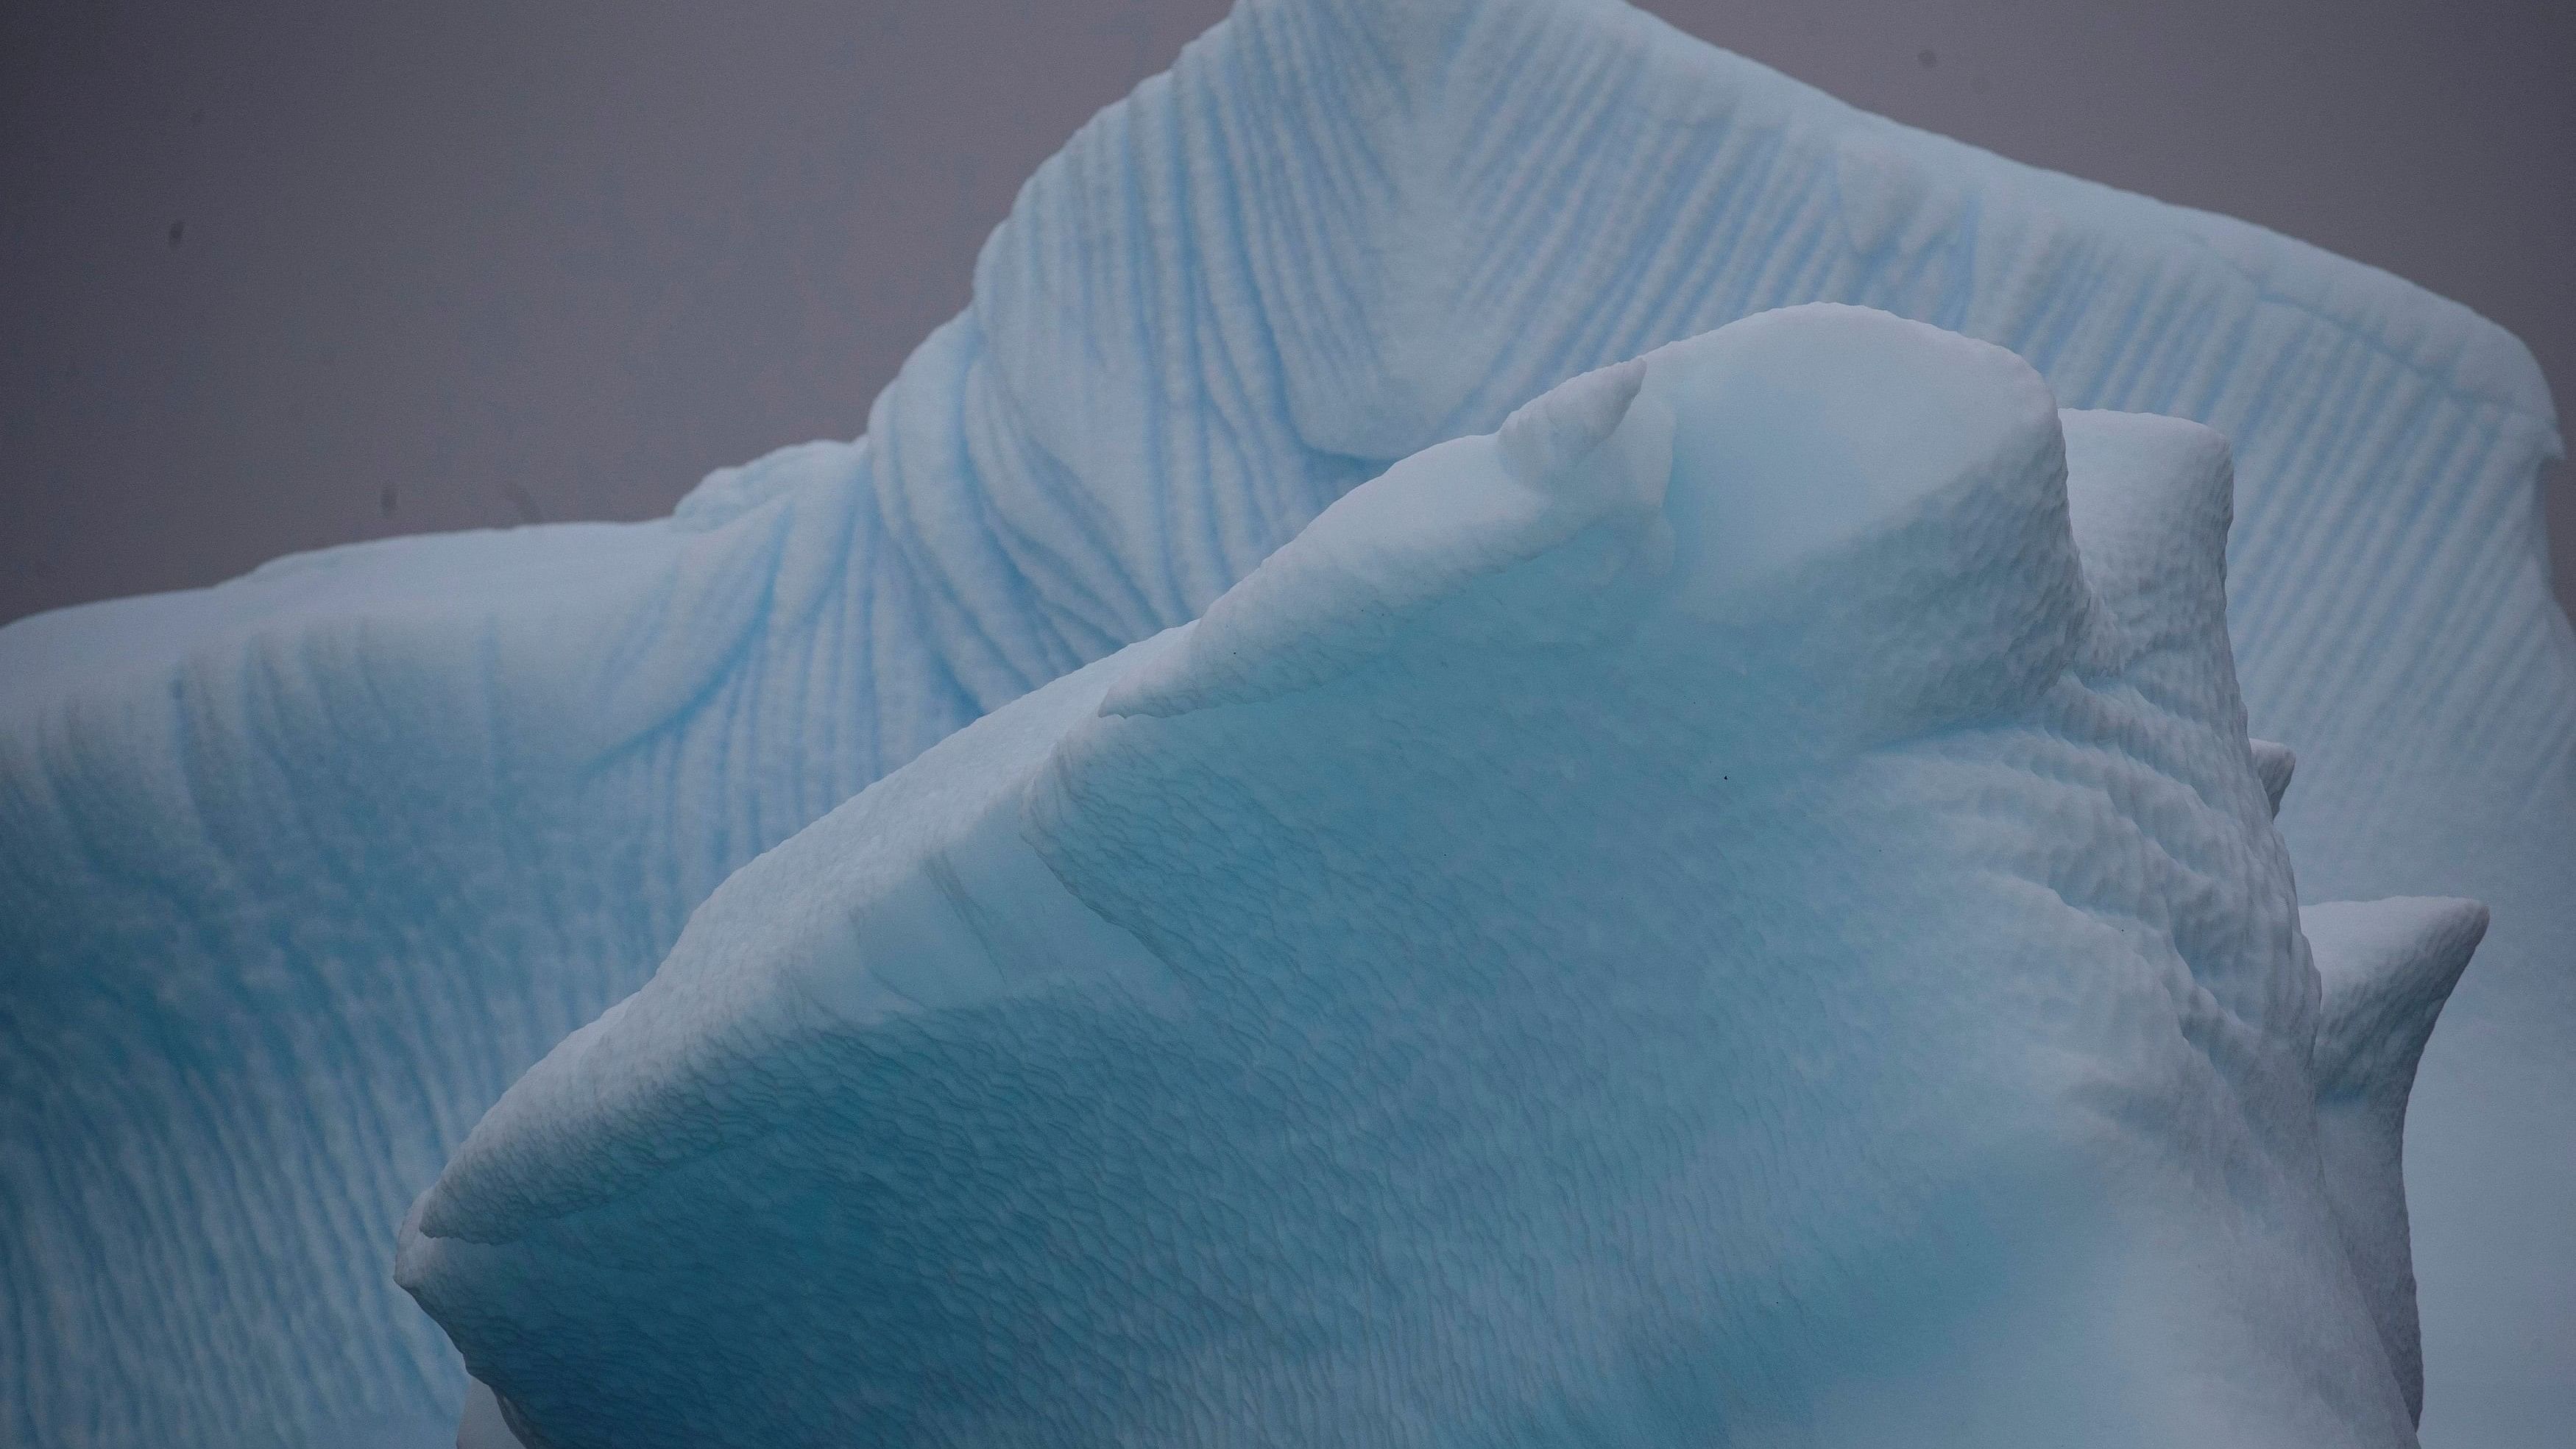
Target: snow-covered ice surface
x: 299, y: 873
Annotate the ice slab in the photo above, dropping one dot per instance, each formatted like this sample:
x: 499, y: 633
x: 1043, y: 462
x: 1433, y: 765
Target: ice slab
x: 297, y: 874
x: 1739, y: 905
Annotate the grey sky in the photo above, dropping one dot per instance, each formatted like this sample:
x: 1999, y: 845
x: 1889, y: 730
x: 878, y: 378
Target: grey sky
x: 279, y: 275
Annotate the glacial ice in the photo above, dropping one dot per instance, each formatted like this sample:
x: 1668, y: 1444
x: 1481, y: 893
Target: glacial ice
x: 298, y: 874
x: 1695, y: 916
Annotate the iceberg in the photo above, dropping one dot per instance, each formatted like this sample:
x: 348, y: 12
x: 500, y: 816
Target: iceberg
x: 1739, y: 906
x: 299, y: 874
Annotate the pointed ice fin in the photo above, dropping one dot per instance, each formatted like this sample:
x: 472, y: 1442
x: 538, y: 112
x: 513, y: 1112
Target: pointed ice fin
x: 2386, y: 968
x: 1545, y: 438
x: 2273, y: 765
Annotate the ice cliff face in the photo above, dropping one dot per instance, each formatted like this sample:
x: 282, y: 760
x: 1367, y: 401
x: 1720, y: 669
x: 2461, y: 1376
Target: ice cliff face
x: 298, y: 874
x: 1740, y: 905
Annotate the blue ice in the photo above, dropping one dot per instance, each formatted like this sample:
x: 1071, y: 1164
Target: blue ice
x: 300, y: 873
x: 1738, y: 907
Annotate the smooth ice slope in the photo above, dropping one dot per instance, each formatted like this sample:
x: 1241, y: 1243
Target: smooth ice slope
x: 297, y: 874
x: 1697, y: 917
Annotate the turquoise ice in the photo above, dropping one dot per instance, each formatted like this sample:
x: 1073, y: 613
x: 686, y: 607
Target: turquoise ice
x: 298, y: 874
x: 1737, y: 909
